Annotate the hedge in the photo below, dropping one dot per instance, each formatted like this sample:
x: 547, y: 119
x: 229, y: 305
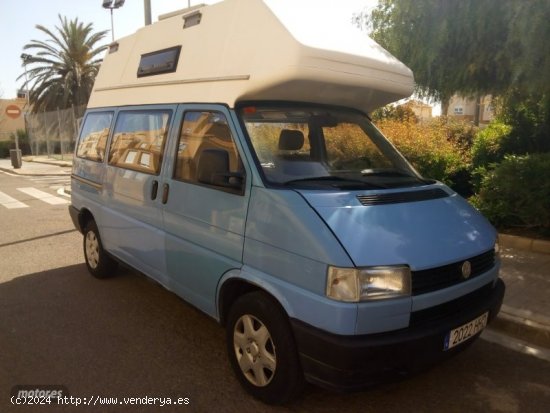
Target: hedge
x: 436, y: 149
x: 516, y: 192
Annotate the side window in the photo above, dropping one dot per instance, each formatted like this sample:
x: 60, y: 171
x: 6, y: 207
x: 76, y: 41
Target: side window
x: 138, y: 140
x: 93, y: 137
x: 207, y: 153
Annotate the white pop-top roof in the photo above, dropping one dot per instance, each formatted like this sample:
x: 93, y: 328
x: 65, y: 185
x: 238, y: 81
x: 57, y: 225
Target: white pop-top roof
x: 246, y: 50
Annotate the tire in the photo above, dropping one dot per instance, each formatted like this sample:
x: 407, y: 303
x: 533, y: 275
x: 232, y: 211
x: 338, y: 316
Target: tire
x: 99, y: 263
x: 262, y: 350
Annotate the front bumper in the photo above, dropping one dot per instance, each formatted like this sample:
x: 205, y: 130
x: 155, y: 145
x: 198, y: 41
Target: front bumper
x: 354, y: 362
x: 75, y: 217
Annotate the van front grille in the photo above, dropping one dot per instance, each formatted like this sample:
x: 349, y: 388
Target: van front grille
x: 442, y: 277
x: 451, y: 308
x: 402, y: 197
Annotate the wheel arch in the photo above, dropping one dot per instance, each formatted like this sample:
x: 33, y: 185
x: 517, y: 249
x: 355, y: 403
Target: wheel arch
x: 84, y: 216
x: 234, y: 285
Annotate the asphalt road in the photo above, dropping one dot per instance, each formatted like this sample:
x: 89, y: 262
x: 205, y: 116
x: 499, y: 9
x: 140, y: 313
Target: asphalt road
x: 128, y: 337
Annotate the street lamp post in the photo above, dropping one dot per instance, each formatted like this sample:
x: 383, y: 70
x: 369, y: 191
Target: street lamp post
x: 111, y: 5
x: 26, y: 58
x: 147, y: 11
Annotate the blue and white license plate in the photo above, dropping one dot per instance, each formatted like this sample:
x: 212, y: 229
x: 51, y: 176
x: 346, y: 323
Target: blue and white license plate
x: 465, y: 331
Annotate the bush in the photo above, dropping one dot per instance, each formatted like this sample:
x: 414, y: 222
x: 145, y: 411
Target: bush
x: 5, y: 147
x: 400, y: 113
x: 487, y: 146
x: 517, y: 192
x: 431, y: 151
x: 523, y: 127
x: 460, y: 132
x: 529, y: 116
x: 24, y: 145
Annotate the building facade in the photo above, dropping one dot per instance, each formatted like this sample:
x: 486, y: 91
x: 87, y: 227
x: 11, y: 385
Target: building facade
x: 465, y: 108
x: 422, y: 110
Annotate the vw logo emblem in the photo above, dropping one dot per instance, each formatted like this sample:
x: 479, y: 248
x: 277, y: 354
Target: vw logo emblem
x: 466, y: 269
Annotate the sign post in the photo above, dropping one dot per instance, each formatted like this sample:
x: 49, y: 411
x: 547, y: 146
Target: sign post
x: 13, y: 111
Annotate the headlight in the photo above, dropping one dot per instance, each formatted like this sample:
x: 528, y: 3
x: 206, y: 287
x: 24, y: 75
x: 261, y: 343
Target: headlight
x: 372, y: 283
x: 497, y: 247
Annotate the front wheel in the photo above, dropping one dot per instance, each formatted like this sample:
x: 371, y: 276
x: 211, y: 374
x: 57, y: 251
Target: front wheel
x: 99, y: 263
x: 262, y: 350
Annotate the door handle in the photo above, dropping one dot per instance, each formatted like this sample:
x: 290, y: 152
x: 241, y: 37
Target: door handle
x: 154, y: 190
x: 165, y: 190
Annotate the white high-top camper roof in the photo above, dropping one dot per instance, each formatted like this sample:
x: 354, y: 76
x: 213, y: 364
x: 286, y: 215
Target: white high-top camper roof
x: 243, y: 50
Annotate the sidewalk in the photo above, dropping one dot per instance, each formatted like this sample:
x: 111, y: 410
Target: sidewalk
x: 524, y: 321
x: 38, y: 166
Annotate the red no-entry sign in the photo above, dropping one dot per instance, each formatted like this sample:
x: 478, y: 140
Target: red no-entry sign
x: 13, y: 111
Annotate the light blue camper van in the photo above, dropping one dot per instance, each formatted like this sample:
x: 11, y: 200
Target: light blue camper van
x: 233, y: 161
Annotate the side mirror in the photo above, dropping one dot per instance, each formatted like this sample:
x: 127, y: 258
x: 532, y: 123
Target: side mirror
x: 213, y: 169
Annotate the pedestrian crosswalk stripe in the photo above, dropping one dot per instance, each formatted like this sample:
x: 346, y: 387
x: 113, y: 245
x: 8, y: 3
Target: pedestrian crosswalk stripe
x: 43, y: 196
x: 10, y: 203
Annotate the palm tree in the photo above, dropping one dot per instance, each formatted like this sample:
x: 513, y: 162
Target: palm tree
x: 64, y: 66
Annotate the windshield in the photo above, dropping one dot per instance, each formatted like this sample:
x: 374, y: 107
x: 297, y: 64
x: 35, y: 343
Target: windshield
x: 312, y: 147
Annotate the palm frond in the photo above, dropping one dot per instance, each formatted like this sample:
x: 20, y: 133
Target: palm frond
x: 63, y: 66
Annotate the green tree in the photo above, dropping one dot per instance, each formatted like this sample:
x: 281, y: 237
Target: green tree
x: 529, y: 116
x: 64, y: 66
x: 471, y: 47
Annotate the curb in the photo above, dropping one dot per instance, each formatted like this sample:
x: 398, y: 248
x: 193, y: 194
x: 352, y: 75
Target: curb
x: 48, y: 161
x: 526, y: 244
x: 520, y: 330
x: 527, y: 317
x: 31, y: 159
x: 512, y: 343
x: 524, y: 326
x: 15, y: 172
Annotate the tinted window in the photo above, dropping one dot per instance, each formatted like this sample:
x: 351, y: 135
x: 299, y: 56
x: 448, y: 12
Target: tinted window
x: 205, y: 131
x: 93, y: 137
x: 138, y: 140
x: 161, y: 61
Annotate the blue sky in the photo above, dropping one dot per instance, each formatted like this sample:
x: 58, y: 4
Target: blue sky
x: 18, y: 21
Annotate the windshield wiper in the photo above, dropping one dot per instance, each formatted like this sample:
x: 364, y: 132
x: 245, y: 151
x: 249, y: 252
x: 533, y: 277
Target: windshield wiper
x: 384, y: 172
x: 396, y: 173
x: 335, y: 178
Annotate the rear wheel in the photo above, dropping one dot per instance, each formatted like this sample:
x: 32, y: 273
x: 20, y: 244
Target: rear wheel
x: 99, y: 263
x: 262, y: 350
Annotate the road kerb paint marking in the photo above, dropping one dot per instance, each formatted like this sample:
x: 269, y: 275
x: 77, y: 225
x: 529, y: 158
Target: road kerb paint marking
x: 43, y: 196
x: 10, y: 203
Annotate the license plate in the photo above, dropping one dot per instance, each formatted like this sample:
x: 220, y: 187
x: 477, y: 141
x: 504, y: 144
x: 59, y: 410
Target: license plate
x: 465, y: 331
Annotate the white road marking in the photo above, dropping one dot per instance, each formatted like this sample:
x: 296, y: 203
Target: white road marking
x: 11, y: 203
x: 61, y: 191
x: 43, y: 196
